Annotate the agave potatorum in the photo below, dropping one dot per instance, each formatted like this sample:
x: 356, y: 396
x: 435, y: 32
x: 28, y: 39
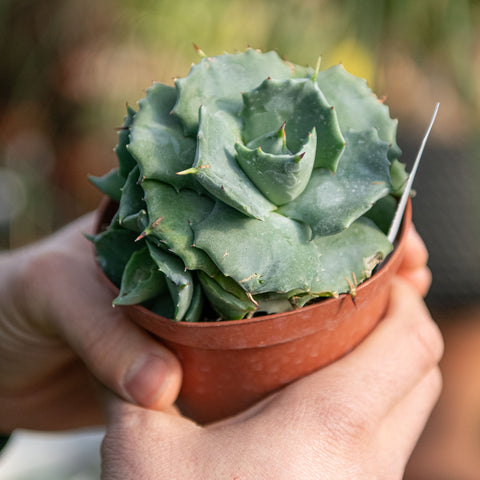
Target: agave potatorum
x: 253, y: 185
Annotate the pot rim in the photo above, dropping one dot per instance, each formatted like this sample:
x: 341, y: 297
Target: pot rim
x: 328, y: 302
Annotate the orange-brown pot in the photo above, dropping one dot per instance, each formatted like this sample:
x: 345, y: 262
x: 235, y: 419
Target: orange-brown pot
x: 230, y: 365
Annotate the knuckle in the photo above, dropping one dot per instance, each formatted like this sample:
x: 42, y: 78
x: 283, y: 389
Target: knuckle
x: 350, y: 423
x: 427, y: 342
x: 345, y: 419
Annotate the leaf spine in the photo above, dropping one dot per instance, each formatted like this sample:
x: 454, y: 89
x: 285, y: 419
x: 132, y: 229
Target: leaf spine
x: 192, y: 170
x: 157, y: 222
x: 250, y: 297
x: 200, y: 52
x: 317, y: 69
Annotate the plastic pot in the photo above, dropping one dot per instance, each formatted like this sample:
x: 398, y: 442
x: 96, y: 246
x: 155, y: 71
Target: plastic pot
x: 230, y: 365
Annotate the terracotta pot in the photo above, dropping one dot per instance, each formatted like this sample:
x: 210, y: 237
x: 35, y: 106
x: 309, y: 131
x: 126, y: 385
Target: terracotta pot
x: 228, y: 366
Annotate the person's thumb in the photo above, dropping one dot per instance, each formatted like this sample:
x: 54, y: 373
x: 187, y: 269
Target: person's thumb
x: 123, y: 356
x: 69, y: 293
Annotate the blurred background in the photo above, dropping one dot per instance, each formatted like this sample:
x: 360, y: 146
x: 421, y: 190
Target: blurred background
x: 69, y: 67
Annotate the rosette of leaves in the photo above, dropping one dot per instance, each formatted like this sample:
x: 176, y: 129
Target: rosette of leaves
x: 252, y: 186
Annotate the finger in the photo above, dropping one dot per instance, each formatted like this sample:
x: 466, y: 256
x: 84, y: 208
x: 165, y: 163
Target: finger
x: 253, y: 411
x: 115, y: 408
x: 420, y: 279
x: 120, y: 354
x: 388, y: 363
x: 45, y: 405
x: 143, y: 443
x: 414, y: 263
x: 403, y: 425
x: 379, y: 372
x: 416, y: 253
x: 399, y: 352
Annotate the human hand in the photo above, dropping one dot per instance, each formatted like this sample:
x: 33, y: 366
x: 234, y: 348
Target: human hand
x: 358, y: 418
x: 57, y: 325
x: 414, y: 264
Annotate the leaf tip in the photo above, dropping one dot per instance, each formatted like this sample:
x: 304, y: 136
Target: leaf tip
x: 317, y: 69
x: 200, y: 52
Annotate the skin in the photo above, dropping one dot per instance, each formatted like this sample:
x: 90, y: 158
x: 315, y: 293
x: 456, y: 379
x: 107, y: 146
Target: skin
x: 358, y: 418
x: 59, y: 336
x: 59, y: 339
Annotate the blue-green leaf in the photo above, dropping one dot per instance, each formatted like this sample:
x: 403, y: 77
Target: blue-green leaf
x: 281, y: 178
x: 195, y: 311
x: 357, y: 107
x: 157, y: 140
x: 216, y: 167
x: 301, y: 104
x: 179, y: 281
x: 227, y: 305
x: 110, y: 184
x: 132, y: 213
x: 114, y: 247
x: 172, y: 214
x: 125, y: 161
x: 141, y: 280
x: 218, y: 83
x: 330, y: 203
x: 277, y: 255
x: 399, y: 177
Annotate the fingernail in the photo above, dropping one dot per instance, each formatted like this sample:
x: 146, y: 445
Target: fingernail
x: 146, y: 379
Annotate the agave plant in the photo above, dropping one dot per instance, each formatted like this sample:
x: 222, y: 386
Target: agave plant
x: 253, y: 185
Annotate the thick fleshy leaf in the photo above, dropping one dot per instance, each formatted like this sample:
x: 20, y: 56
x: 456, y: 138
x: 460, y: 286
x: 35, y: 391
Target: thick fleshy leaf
x: 141, y: 280
x: 281, y: 178
x: 237, y: 129
x: 300, y: 71
x: 216, y: 168
x: 272, y: 303
x: 382, y: 213
x: 162, y: 304
x: 243, y: 249
x: 125, y: 161
x: 136, y: 222
x: 194, y: 312
x: 231, y: 286
x: 110, y: 184
x: 157, y: 140
x: 132, y: 213
x: 227, y: 305
x: 302, y: 105
x: 114, y: 247
x: 172, y: 214
x: 399, y: 177
x: 357, y: 106
x: 218, y: 83
x: 330, y: 203
x: 299, y: 300
x: 179, y: 281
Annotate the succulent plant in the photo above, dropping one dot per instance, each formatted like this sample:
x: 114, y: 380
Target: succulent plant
x: 252, y: 186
